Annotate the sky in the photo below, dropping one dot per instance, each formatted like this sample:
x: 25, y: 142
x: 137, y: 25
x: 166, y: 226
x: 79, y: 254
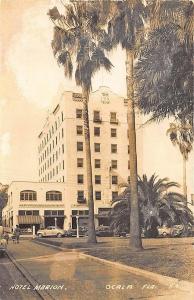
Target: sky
x: 31, y: 82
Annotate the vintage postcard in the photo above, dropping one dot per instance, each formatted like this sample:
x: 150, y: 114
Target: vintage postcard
x: 96, y: 150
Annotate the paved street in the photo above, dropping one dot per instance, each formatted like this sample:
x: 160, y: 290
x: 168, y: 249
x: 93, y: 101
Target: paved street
x: 84, y: 279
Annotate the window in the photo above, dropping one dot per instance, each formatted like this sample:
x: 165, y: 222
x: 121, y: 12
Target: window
x: 53, y: 196
x: 63, y: 148
x: 62, y: 132
x: 28, y: 195
x: 113, y: 132
x: 97, y: 179
x: 97, y: 131
x: 97, y: 116
x: 62, y: 116
x: 114, y: 179
x: 98, y: 195
x: 97, y: 147
x: 79, y: 113
x: 113, y: 148
x: 56, y: 140
x: 128, y: 149
x: 128, y: 164
x: 114, y: 164
x: 63, y: 165
x: 79, y: 130
x: 54, y: 213
x: 97, y: 163
x: 113, y: 118
x: 80, y: 162
x: 79, y: 146
x: 80, y: 178
x: 80, y: 197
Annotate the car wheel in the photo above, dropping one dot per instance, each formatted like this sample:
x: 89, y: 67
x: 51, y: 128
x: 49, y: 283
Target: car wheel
x: 40, y: 235
x: 59, y: 235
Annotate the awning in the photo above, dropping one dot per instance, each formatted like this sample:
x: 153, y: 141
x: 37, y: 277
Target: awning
x: 29, y: 220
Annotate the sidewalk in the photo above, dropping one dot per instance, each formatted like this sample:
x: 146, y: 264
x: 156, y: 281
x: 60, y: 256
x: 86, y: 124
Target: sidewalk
x: 172, y: 257
x: 85, y: 279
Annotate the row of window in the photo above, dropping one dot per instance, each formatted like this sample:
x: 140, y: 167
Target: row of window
x: 97, y: 116
x: 97, y: 179
x: 98, y: 196
x: 32, y: 195
x: 36, y: 213
x: 79, y: 130
x: 51, y: 132
x: 97, y: 163
x: 97, y: 147
x: 51, y: 146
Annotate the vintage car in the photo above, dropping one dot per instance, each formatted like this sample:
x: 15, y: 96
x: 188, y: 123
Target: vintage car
x: 173, y: 231
x: 51, y: 231
x: 104, y: 231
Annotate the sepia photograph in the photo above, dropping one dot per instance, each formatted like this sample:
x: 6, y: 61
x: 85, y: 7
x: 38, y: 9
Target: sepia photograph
x: 96, y: 150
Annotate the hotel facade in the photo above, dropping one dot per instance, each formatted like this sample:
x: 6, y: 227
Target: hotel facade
x: 62, y: 158
x: 59, y: 198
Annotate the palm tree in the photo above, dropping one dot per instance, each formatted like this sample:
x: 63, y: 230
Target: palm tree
x: 127, y: 28
x: 165, y: 68
x: 181, y: 135
x: 77, y: 35
x: 158, y: 205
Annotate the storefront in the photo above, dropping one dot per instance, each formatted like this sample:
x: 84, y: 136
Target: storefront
x: 82, y: 217
x: 27, y: 219
x: 54, y: 218
x: 103, y: 216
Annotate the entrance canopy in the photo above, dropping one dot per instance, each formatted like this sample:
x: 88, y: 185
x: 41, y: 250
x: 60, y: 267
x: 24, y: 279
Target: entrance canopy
x: 29, y: 220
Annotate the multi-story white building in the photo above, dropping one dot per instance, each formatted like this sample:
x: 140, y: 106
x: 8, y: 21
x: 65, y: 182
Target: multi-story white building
x: 35, y: 203
x: 62, y: 150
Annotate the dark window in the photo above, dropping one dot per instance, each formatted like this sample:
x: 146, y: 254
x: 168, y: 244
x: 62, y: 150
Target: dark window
x: 114, y: 195
x: 79, y: 146
x: 62, y: 132
x: 35, y: 212
x: 21, y: 212
x: 97, y: 147
x: 60, y: 212
x: 28, y: 195
x: 98, y: 195
x: 97, y: 131
x: 97, y: 179
x: 113, y: 148
x: 80, y: 178
x: 62, y: 116
x: 28, y: 212
x: 128, y: 164
x: 114, y: 164
x: 113, y: 132
x: 80, y: 197
x: 80, y: 162
x: 113, y: 118
x: 79, y: 113
x: 114, y: 179
x: 97, y: 116
x: 97, y: 163
x: 128, y: 149
x: 53, y: 196
x: 79, y: 130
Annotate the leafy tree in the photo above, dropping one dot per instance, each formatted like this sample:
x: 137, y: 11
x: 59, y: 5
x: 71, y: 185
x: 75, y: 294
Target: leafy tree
x: 77, y: 42
x: 181, y: 135
x: 158, y: 205
x: 3, y: 198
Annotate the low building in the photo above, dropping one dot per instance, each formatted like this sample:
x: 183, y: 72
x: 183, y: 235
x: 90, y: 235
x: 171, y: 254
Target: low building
x: 35, y: 203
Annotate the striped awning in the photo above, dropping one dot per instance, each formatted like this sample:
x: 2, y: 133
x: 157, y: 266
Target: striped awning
x: 29, y: 220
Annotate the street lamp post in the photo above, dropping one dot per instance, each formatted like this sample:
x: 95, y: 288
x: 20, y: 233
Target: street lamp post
x: 55, y: 222
x: 77, y: 224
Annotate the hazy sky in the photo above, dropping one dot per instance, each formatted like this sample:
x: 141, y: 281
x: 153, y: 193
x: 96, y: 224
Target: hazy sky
x: 30, y: 81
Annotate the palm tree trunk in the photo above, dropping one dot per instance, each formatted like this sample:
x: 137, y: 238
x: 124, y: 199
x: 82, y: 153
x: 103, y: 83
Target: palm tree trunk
x: 90, y: 198
x: 185, y: 178
x: 135, y: 233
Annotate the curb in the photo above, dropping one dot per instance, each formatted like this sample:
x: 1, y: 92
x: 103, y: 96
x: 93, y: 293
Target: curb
x: 170, y: 282
x: 43, y: 294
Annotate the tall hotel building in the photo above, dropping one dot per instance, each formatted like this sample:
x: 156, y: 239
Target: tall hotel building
x: 62, y: 152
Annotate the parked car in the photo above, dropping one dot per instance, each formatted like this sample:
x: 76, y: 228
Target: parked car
x: 104, y: 231
x: 51, y: 231
x: 73, y: 232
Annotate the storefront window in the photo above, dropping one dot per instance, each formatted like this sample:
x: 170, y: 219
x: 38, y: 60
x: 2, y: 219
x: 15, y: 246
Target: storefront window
x: 53, y: 196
